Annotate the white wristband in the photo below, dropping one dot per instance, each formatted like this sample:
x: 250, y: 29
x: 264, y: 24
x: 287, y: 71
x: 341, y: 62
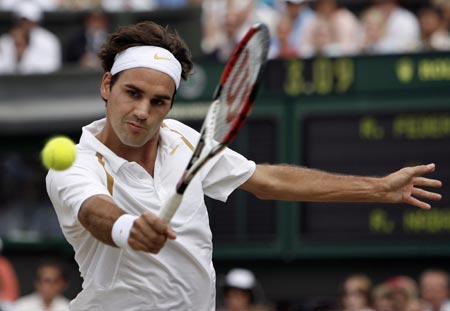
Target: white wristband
x: 121, y: 230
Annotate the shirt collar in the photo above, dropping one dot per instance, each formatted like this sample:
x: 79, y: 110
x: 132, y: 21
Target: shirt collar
x: 88, y: 140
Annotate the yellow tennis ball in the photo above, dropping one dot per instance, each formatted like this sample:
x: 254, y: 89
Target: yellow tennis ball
x: 59, y: 153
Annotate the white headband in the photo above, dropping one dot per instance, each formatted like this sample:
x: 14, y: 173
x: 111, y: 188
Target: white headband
x: 152, y: 57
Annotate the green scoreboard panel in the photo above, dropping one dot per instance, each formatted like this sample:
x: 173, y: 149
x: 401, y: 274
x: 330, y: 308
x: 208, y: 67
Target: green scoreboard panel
x: 373, y: 144
x: 383, y: 114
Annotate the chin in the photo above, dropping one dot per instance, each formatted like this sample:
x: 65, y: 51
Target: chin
x: 133, y: 144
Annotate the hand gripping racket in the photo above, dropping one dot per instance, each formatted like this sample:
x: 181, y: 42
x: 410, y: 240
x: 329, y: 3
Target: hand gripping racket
x: 231, y: 105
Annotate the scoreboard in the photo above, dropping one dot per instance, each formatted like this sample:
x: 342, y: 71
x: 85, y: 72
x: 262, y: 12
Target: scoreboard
x: 367, y: 143
x: 368, y: 115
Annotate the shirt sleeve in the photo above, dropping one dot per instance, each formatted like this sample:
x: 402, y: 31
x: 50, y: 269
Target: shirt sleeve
x: 69, y: 189
x: 223, y: 173
x: 226, y: 172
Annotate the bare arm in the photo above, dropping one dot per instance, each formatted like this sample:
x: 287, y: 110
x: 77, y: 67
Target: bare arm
x: 98, y: 214
x: 293, y: 183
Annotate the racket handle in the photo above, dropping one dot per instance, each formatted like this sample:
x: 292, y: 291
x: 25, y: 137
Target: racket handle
x: 170, y: 207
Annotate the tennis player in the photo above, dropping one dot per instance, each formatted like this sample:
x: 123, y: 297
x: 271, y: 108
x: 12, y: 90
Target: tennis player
x: 129, y: 163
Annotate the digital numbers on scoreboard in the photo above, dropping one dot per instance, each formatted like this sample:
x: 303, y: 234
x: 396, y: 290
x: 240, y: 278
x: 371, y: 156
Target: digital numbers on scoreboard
x: 375, y: 145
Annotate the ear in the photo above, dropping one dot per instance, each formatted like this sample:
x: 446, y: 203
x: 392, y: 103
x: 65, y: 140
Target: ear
x: 105, y: 87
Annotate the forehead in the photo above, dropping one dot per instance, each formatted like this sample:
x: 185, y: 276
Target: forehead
x: 48, y: 270
x: 146, y: 78
x: 434, y: 277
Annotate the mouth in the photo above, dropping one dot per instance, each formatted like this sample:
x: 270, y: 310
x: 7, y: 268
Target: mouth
x: 135, y: 127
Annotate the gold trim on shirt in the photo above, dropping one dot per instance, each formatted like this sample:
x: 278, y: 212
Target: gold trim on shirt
x: 109, y: 178
x: 184, y: 139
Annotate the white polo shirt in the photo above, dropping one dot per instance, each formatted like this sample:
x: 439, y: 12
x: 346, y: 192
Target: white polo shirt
x: 181, y: 277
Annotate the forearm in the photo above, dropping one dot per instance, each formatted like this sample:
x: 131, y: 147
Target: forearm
x: 98, y: 214
x: 293, y: 183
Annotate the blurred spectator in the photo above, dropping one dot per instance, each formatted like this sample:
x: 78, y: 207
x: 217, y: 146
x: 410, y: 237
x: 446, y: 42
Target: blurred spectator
x: 334, y: 31
x: 434, y: 290
x: 213, y: 19
x: 84, y: 46
x: 373, y: 27
x: 50, y: 282
x: 45, y: 5
x: 9, y: 285
x: 404, y: 292
x: 415, y: 305
x: 174, y: 3
x: 239, y: 17
x: 356, y: 293
x: 6, y: 306
x: 129, y: 5
x: 444, y: 7
x: 434, y: 34
x: 281, y: 46
x: 79, y: 5
x: 240, y: 292
x: 29, y: 48
x: 401, y: 32
x: 383, y: 298
x: 296, y: 15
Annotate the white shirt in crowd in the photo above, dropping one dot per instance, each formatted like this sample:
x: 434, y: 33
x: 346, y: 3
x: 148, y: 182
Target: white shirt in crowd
x: 129, y: 5
x: 34, y: 302
x: 401, y: 34
x: 46, y: 5
x: 181, y: 276
x: 43, y: 54
x: 444, y: 307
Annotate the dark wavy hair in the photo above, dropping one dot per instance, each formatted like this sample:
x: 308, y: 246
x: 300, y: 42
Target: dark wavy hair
x: 146, y: 33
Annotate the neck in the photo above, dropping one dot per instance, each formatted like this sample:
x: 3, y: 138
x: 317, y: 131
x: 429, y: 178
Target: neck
x: 144, y: 155
x: 47, y: 302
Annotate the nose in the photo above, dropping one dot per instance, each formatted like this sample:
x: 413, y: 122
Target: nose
x: 142, y: 110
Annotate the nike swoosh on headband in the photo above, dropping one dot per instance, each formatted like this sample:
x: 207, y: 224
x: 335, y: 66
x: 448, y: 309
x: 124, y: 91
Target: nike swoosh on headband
x: 157, y: 57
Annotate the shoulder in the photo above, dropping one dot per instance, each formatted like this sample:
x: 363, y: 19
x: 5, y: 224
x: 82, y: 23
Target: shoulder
x: 402, y: 15
x: 179, y: 128
x: 175, y: 124
x: 43, y: 34
x: 61, y: 301
x: 446, y: 305
x: 86, y: 164
x: 26, y: 300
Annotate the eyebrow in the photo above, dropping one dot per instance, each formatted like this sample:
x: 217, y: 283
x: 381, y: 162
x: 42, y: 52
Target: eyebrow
x: 138, y: 90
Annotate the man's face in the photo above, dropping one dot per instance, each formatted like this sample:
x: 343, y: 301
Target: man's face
x: 49, y: 283
x: 293, y: 9
x: 434, y: 288
x: 137, y: 104
x: 237, y: 299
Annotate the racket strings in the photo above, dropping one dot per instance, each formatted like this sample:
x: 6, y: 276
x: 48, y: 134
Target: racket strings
x: 240, y: 83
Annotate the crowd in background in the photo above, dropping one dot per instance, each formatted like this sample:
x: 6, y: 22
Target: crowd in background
x: 240, y: 290
x: 299, y: 28
x: 50, y: 281
x: 430, y: 292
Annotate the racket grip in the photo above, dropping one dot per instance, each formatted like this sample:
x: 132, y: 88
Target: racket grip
x: 170, y: 207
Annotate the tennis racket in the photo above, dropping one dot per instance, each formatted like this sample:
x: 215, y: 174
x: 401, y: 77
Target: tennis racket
x: 232, y: 103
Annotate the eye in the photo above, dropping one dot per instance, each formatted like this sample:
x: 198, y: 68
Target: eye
x: 133, y: 93
x: 158, y: 102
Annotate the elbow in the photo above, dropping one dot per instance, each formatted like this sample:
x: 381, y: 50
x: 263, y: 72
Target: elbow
x: 265, y: 191
x: 84, y: 215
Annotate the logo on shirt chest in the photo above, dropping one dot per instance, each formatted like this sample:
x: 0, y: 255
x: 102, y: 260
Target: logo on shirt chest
x: 172, y: 152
